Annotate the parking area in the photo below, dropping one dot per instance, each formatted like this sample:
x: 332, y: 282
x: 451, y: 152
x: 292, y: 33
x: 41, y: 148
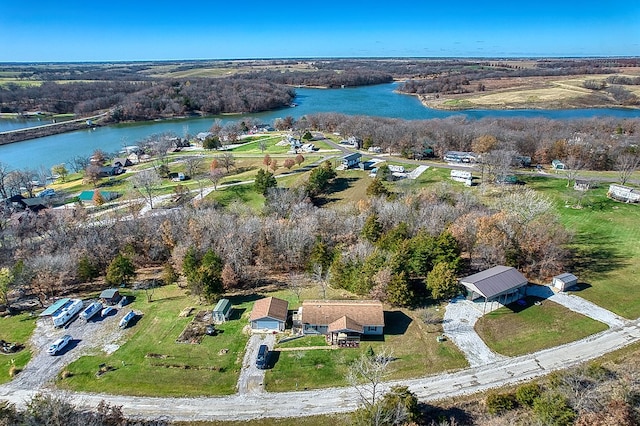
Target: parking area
x: 97, y: 334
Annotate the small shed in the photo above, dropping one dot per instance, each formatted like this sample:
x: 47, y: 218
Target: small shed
x: 564, y: 281
x: 110, y: 296
x: 222, y: 311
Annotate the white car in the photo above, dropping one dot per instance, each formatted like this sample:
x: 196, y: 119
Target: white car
x: 59, y: 344
x: 106, y: 311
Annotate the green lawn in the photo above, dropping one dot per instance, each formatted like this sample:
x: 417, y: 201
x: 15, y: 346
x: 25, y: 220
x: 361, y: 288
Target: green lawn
x: 514, y: 330
x: 177, y: 369
x: 606, y: 245
x: 416, y: 349
x: 15, y: 329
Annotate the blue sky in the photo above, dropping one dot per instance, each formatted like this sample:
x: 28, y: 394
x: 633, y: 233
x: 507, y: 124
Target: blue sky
x: 73, y: 30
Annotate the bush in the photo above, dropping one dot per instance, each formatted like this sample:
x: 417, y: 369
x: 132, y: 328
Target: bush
x: 552, y: 409
x: 498, y: 403
x: 526, y: 394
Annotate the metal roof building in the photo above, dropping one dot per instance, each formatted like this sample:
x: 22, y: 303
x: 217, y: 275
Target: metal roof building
x: 495, y: 284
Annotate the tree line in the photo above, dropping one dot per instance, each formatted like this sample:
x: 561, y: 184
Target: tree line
x: 595, y: 143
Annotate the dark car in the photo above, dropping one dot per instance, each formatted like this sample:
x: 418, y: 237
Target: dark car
x: 261, y: 359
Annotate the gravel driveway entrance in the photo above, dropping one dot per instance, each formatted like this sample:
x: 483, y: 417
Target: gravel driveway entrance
x: 251, y: 379
x: 459, y: 318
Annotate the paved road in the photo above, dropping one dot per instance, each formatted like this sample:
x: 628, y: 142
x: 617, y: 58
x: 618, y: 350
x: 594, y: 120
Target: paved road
x: 341, y: 400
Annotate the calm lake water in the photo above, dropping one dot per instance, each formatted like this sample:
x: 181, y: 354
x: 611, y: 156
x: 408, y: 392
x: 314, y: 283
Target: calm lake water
x: 377, y: 100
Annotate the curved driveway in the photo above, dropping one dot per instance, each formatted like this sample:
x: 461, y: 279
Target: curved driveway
x: 340, y: 400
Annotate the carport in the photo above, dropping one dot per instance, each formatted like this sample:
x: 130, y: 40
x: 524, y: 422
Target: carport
x: 501, y: 284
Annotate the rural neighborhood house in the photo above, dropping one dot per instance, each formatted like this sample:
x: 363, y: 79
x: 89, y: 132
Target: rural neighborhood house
x: 340, y: 320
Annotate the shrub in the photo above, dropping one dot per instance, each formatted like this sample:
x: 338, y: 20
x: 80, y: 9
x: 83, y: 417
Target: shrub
x: 552, y: 409
x: 526, y: 394
x: 498, y: 403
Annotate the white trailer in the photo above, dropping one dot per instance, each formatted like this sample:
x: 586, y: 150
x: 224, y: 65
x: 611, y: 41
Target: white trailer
x: 67, y: 312
x: 91, y: 311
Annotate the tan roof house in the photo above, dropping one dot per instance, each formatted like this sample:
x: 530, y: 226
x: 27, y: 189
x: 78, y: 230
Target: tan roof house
x: 269, y: 314
x: 340, y: 320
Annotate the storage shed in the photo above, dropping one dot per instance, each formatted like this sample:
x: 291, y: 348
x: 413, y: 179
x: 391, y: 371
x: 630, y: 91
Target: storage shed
x: 110, y: 296
x: 222, y: 311
x: 564, y: 281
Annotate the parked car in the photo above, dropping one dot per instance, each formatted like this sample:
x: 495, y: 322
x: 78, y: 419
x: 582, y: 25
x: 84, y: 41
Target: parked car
x: 124, y: 301
x: 262, y: 358
x: 59, y: 344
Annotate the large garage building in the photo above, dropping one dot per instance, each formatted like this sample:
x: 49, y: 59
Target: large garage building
x: 502, y: 284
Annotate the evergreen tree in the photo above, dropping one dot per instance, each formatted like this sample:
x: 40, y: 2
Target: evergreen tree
x: 377, y: 189
x: 372, y: 228
x: 210, y: 273
x: 120, y: 270
x: 399, y: 292
x: 319, y: 179
x: 87, y: 271
x: 442, y: 281
x: 263, y: 181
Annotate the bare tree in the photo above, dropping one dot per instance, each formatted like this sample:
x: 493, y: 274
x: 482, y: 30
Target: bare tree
x: 496, y: 164
x: 146, y: 183
x: 4, y: 172
x: 226, y: 160
x: 367, y: 373
x: 215, y: 175
x: 92, y: 174
x: 572, y: 167
x: 193, y: 166
x: 78, y: 163
x: 626, y: 164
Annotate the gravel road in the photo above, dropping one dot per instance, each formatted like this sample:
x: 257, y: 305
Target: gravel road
x: 260, y: 404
